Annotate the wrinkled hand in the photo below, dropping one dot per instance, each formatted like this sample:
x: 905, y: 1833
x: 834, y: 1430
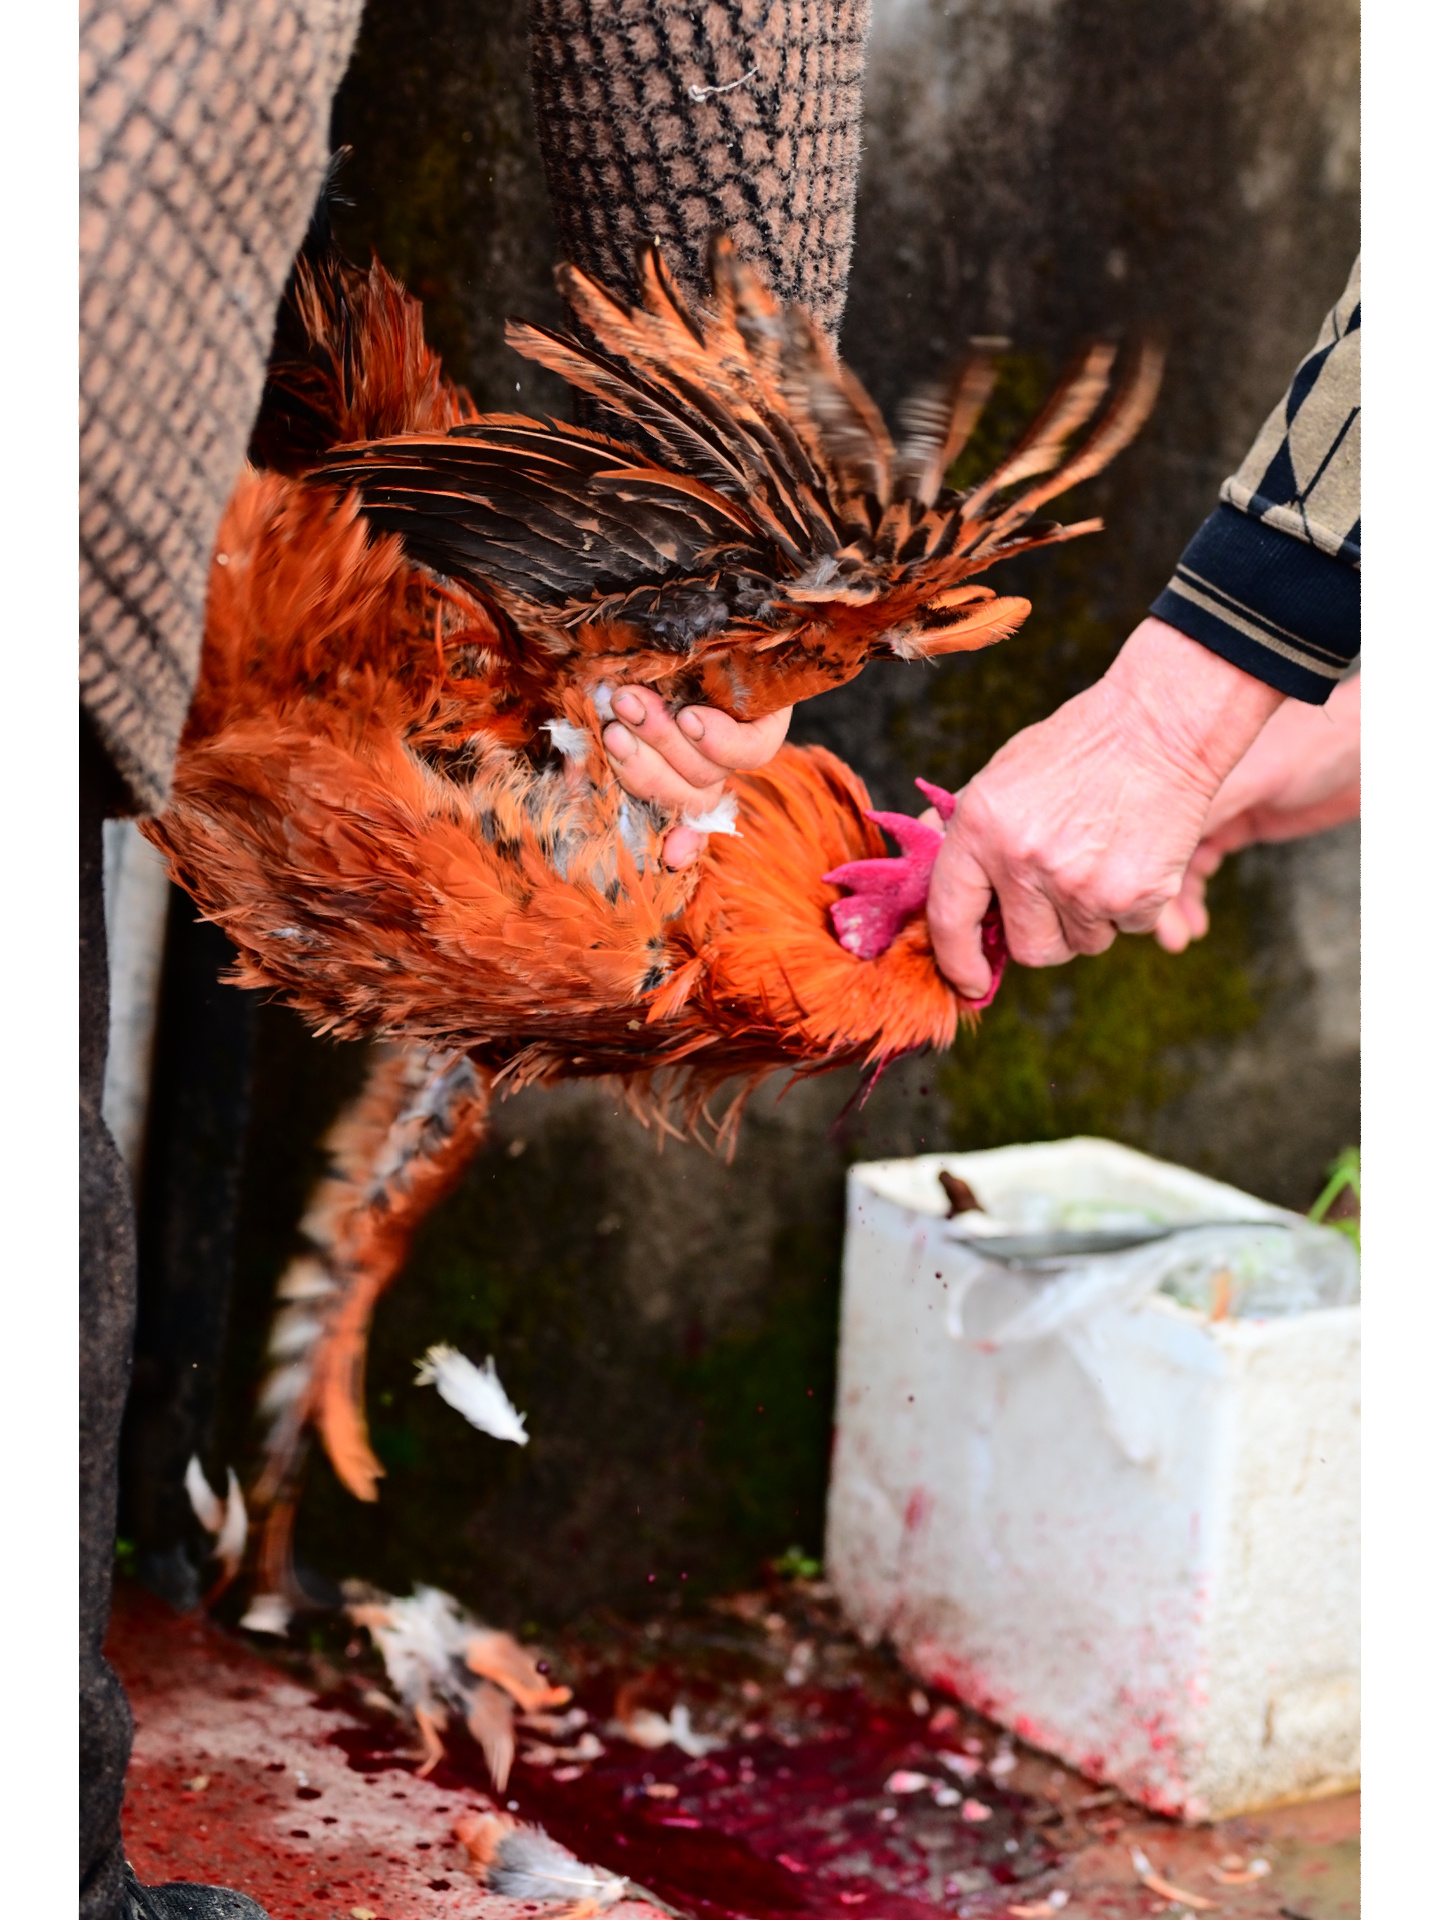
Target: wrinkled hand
x: 1301, y: 776
x: 1086, y: 824
x: 681, y: 760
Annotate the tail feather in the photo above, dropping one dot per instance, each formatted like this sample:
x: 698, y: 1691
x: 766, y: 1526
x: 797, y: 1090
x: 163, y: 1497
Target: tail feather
x: 395, y: 1151
x: 1131, y: 401
x: 937, y: 423
x: 1042, y: 445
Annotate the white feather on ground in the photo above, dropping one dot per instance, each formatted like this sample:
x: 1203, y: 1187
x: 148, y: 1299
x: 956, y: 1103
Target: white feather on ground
x: 524, y: 1863
x: 473, y: 1391
x: 421, y: 1640
x: 529, y: 1865
x: 646, y: 1728
x: 439, y: 1657
x: 268, y: 1613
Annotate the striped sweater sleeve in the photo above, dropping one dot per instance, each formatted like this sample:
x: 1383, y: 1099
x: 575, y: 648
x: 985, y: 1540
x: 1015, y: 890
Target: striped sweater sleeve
x: 1272, y: 579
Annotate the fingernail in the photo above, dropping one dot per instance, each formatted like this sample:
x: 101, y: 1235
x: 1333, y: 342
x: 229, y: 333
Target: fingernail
x: 690, y: 723
x: 629, y: 706
x: 618, y: 743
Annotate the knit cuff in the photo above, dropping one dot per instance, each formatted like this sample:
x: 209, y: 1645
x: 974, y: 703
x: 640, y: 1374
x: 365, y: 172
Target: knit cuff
x: 1272, y: 605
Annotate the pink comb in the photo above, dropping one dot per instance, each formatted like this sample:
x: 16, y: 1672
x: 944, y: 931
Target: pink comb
x: 884, y: 894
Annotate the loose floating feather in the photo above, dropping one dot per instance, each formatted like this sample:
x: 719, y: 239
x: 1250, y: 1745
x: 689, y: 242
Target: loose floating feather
x: 474, y: 1391
x: 205, y: 1503
x: 392, y: 793
x: 225, y: 1519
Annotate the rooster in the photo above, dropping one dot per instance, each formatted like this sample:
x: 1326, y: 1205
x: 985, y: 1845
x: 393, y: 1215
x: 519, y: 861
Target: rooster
x: 392, y: 793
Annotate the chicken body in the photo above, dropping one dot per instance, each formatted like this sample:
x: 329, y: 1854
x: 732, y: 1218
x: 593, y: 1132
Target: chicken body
x: 392, y: 792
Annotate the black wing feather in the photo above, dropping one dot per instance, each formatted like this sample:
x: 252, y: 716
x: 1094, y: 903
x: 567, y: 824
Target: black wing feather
x: 555, y: 515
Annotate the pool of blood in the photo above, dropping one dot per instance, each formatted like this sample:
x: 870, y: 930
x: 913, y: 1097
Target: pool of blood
x: 773, y: 1828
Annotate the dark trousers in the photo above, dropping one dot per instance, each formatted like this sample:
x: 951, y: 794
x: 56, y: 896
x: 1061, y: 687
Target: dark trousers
x: 107, y: 1329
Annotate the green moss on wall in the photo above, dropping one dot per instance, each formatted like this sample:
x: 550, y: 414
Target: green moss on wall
x: 765, y: 1395
x: 1098, y: 1046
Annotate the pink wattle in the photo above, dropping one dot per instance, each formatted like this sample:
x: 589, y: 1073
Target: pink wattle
x: 884, y: 894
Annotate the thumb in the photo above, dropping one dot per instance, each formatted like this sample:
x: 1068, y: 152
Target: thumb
x: 959, y: 898
x: 682, y: 844
x: 1186, y: 917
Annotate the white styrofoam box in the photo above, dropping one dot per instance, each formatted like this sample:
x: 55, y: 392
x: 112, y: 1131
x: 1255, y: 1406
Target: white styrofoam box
x: 137, y: 897
x: 1135, y: 1541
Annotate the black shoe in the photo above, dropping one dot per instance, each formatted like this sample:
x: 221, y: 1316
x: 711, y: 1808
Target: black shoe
x: 183, y: 1900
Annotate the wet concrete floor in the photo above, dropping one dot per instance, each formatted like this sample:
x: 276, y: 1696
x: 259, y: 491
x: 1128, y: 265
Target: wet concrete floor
x: 835, y: 1787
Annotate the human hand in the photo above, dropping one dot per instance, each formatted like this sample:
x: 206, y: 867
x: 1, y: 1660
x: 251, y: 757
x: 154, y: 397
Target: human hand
x: 1301, y: 776
x: 681, y: 760
x: 1085, y: 824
